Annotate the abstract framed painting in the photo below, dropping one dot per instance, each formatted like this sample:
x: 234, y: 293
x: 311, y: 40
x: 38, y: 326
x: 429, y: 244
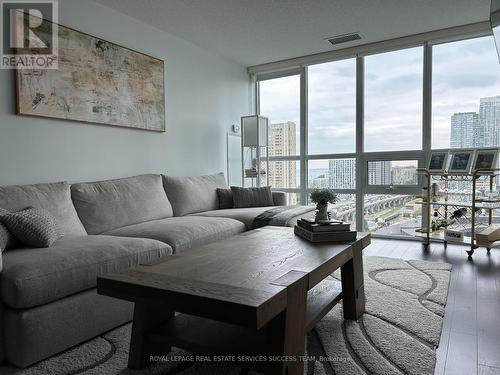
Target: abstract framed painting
x: 96, y: 82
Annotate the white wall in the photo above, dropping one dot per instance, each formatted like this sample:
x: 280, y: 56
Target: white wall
x: 205, y: 94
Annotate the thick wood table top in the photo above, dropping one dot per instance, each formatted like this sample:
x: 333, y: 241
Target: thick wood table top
x: 241, y: 279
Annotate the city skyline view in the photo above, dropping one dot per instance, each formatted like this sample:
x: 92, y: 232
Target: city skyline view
x: 467, y: 129
x: 463, y: 73
x: 477, y: 129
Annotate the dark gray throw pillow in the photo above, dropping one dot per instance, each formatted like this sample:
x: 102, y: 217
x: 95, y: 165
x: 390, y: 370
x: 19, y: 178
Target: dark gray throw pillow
x: 225, y: 198
x: 6, y: 238
x: 32, y: 226
x: 252, y: 197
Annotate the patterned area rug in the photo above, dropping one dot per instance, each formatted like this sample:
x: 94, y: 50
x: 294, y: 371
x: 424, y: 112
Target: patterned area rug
x: 398, y: 333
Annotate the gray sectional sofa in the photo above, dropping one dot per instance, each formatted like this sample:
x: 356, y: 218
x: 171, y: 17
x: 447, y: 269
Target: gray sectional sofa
x: 48, y: 297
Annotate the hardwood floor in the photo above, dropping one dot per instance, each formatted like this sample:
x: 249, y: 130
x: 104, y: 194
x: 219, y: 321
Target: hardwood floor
x: 470, y: 340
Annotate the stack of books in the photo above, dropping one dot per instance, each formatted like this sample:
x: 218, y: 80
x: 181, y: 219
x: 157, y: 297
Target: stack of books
x: 328, y: 231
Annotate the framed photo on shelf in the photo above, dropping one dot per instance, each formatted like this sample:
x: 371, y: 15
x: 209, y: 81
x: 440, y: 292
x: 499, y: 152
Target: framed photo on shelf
x: 438, y: 161
x: 485, y: 159
x: 461, y: 161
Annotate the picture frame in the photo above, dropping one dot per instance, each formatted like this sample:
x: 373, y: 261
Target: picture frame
x: 129, y: 94
x: 438, y: 162
x: 461, y: 161
x: 485, y: 159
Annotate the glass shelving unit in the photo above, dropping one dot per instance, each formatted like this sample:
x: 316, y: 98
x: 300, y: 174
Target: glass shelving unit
x: 468, y: 217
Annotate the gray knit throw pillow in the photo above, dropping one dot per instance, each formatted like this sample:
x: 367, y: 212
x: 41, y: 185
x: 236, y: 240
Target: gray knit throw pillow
x: 33, y: 226
x: 6, y: 238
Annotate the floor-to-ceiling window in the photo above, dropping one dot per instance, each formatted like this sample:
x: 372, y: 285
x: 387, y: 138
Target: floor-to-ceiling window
x: 331, y: 133
x: 279, y: 100
x: 466, y: 107
x: 393, y: 127
x: 368, y: 122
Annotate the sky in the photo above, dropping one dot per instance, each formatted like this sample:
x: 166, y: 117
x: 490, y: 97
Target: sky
x: 463, y: 72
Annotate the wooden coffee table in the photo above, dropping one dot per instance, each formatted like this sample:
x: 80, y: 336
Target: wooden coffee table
x: 252, y: 297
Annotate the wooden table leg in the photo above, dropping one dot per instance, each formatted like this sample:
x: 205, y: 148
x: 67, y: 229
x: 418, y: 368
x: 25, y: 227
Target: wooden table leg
x: 288, y: 329
x: 353, y: 292
x: 146, y: 317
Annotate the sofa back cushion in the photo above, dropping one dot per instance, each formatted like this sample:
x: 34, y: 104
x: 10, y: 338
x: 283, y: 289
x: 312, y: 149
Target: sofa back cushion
x: 194, y: 194
x: 54, y: 197
x: 107, y: 205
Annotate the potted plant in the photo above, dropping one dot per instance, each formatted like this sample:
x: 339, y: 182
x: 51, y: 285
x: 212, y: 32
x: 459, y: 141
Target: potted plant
x: 322, y: 197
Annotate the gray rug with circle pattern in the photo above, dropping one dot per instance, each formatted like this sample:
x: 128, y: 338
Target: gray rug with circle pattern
x: 398, y: 333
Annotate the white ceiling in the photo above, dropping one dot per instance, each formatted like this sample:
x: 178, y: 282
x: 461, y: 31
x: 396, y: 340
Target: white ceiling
x: 253, y: 32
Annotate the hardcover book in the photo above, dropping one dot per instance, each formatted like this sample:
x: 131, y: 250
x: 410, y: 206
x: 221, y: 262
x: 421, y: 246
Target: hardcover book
x: 330, y: 227
x: 335, y: 236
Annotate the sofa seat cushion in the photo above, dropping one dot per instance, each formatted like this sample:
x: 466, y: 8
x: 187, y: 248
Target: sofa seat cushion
x: 183, y: 232
x: 111, y: 204
x: 245, y: 215
x: 32, y: 277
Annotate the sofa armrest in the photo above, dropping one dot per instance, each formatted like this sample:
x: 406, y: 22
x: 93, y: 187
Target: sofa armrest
x: 279, y: 198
